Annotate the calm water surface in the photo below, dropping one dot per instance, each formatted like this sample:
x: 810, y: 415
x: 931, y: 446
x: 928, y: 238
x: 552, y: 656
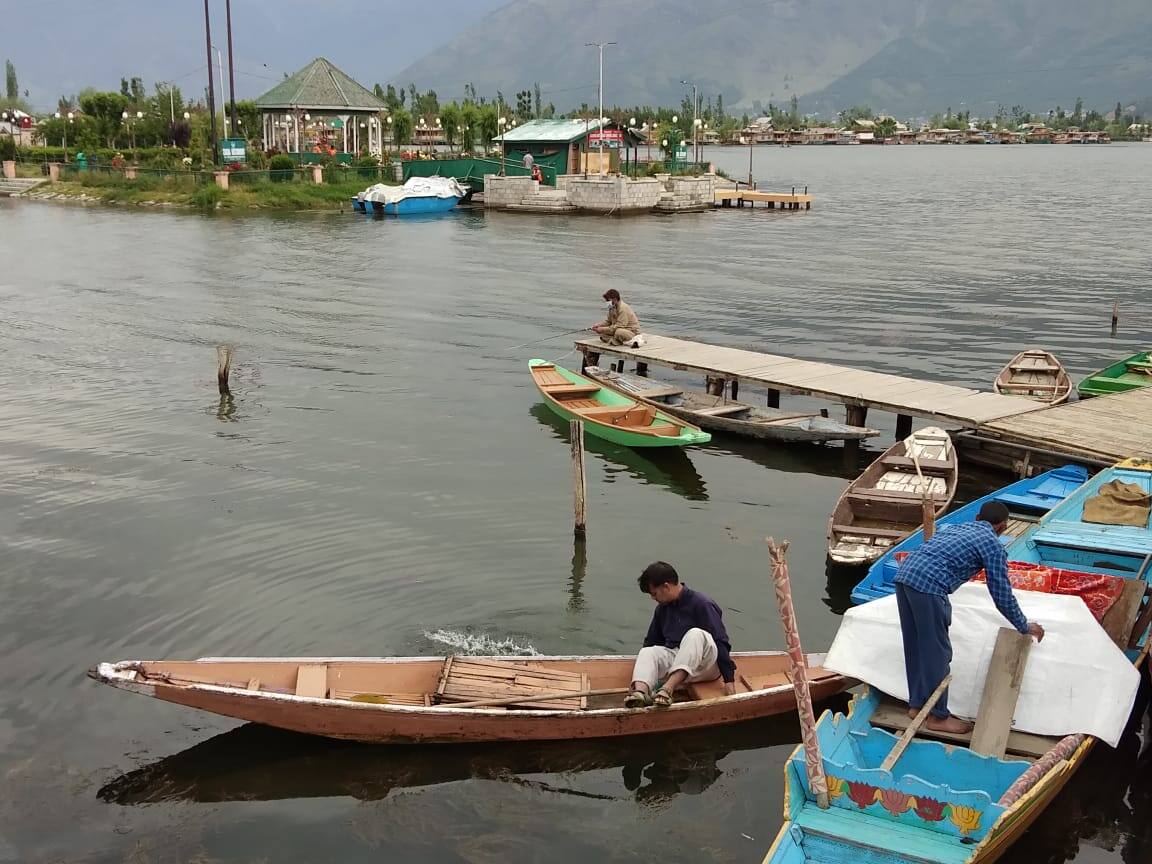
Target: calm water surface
x: 386, y: 482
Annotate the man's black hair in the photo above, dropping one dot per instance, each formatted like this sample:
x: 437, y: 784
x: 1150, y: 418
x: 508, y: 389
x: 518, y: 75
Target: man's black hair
x: 994, y: 512
x: 657, y: 573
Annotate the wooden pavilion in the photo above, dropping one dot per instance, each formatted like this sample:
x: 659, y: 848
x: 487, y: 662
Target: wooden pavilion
x: 321, y: 111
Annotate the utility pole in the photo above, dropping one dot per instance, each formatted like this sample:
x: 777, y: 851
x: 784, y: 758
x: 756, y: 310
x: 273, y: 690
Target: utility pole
x: 231, y: 66
x: 600, y: 89
x: 211, y: 87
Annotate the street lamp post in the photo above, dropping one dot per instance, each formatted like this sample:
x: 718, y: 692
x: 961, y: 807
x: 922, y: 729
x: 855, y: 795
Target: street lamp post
x: 502, y: 122
x: 695, y: 118
x: 600, y: 92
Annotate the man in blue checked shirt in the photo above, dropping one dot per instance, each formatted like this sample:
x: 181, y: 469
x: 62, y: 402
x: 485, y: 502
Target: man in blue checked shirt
x: 923, y: 584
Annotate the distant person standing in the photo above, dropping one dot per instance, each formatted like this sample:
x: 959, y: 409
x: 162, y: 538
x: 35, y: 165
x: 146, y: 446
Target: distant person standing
x: 529, y: 162
x: 621, y: 326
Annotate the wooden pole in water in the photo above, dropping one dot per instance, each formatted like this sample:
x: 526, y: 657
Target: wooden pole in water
x: 223, y: 368
x: 817, y: 782
x: 928, y: 516
x: 580, y: 499
x: 1115, y: 316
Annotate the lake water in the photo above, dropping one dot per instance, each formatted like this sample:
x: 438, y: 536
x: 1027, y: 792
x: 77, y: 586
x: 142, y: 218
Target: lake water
x: 387, y: 482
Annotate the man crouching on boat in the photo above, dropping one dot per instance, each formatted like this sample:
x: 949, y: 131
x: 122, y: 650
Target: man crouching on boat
x: 686, y: 641
x: 923, y: 584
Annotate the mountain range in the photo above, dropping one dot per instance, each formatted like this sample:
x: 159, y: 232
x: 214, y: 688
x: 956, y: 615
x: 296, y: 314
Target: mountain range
x: 904, y: 57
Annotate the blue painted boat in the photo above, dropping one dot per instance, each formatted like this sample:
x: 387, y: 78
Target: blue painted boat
x: 941, y: 804
x: 419, y: 195
x: 1027, y: 500
x: 1063, y: 539
x: 419, y: 204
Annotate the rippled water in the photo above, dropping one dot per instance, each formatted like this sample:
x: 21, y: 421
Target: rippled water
x: 386, y: 482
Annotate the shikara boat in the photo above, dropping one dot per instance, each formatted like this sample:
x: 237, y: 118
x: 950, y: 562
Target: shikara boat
x: 1027, y: 501
x: 1129, y: 374
x: 1035, y: 374
x: 418, y: 195
x: 608, y: 414
x: 884, y: 504
x: 942, y: 801
x: 719, y: 414
x: 434, y: 699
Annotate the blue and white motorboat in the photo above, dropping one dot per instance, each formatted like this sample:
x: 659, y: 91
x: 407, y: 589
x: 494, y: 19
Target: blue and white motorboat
x: 1027, y: 500
x: 417, y: 195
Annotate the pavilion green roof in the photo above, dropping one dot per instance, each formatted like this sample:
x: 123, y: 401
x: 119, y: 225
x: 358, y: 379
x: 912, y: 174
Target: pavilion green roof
x: 320, y: 86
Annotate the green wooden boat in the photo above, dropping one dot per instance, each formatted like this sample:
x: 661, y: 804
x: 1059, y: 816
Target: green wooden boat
x: 1129, y: 374
x: 608, y: 414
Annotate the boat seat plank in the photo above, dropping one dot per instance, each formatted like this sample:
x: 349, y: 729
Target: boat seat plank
x: 312, y: 681
x: 722, y: 410
x: 893, y: 715
x: 894, y: 495
x: 666, y: 430
x: 572, y: 389
x: 1001, y: 693
x: 926, y: 465
x: 857, y: 530
x: 467, y: 680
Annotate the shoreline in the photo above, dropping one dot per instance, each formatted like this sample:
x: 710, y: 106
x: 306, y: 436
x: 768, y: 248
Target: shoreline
x: 206, y: 199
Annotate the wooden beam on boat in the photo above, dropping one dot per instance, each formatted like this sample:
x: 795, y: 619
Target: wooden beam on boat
x: 1001, y: 693
x: 922, y: 715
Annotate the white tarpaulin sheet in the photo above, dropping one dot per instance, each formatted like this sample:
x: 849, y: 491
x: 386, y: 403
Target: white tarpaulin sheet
x: 1076, y: 680
x: 414, y: 187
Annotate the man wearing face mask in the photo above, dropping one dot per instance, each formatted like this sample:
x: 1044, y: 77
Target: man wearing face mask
x: 621, y: 325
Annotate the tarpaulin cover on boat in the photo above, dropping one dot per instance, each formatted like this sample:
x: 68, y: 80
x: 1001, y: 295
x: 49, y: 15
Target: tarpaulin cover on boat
x: 414, y: 187
x: 1076, y: 680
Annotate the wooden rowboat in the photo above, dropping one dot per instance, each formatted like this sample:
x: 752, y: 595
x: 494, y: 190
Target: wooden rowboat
x: 608, y: 414
x: 884, y: 504
x: 427, y: 699
x: 1035, y: 374
x: 1128, y: 374
x: 719, y: 414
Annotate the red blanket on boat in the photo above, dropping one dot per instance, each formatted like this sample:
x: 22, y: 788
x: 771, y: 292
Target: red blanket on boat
x: 1098, y: 590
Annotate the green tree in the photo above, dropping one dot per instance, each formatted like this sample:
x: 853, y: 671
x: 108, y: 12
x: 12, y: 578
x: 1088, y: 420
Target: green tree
x: 524, y: 104
x: 468, y: 117
x: 486, y: 124
x: 11, y: 85
x: 885, y: 127
x: 391, y: 99
x: 537, y: 100
x: 450, y: 118
x: 401, y: 126
x: 105, y: 110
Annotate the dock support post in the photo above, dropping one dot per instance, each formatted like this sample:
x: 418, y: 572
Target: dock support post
x: 903, y: 426
x: 856, y: 415
x: 773, y: 398
x: 580, y: 500
x: 591, y: 358
x: 642, y: 370
x: 1115, y: 316
x: 735, y: 389
x: 714, y: 386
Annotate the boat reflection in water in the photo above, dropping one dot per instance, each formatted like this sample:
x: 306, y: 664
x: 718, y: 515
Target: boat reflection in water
x: 258, y: 763
x: 669, y: 467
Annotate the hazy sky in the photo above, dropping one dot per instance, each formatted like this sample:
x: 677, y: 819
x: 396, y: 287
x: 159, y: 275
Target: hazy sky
x: 62, y: 46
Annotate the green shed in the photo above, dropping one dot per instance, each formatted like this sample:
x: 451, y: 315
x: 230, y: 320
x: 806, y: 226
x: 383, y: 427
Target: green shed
x: 559, y: 145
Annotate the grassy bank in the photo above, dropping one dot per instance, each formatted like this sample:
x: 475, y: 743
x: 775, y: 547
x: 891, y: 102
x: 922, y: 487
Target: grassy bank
x: 194, y: 193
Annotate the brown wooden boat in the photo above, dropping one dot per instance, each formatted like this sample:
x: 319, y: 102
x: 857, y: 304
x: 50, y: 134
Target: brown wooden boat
x: 884, y: 504
x: 1035, y: 374
x: 433, y: 699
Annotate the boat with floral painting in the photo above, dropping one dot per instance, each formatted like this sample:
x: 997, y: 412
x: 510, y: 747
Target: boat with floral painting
x: 874, y: 785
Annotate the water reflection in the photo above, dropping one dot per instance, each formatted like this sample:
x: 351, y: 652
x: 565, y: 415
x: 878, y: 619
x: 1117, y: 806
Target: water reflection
x: 670, y: 467
x: 579, y: 572
x: 258, y: 763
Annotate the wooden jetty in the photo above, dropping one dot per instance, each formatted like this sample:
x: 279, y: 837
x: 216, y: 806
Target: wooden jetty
x: 1006, y: 431
x: 785, y: 200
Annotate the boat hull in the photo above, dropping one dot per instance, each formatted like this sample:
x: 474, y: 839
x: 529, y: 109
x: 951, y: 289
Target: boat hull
x: 1035, y: 374
x: 444, y: 724
x: 407, y: 207
x: 628, y: 436
x: 1118, y: 378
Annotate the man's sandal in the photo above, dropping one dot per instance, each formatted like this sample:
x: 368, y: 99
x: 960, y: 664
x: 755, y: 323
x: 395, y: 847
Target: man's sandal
x: 637, y: 699
x: 662, y: 698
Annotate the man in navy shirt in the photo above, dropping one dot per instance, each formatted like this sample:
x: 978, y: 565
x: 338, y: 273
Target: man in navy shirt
x: 923, y: 584
x: 686, y: 641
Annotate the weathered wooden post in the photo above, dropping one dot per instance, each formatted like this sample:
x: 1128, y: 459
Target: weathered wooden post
x: 1115, y: 316
x: 580, y: 499
x: 813, y: 762
x: 928, y: 515
x: 223, y: 368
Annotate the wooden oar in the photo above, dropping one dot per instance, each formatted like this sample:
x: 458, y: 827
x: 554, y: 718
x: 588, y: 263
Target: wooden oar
x: 914, y: 727
x: 537, y: 697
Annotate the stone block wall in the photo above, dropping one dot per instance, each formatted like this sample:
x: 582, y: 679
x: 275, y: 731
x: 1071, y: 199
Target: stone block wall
x: 503, y: 191
x: 697, y: 190
x: 611, y: 194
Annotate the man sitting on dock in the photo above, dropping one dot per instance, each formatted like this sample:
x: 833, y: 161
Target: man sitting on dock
x: 923, y: 584
x: 621, y: 325
x: 686, y: 641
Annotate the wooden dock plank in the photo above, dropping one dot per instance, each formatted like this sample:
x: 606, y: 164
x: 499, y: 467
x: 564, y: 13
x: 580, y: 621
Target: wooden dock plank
x: 1103, y: 428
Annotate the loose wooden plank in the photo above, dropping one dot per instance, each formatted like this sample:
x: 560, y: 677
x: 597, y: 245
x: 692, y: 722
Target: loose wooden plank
x: 1001, y: 692
x: 894, y: 715
x: 1121, y: 618
x: 312, y: 681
